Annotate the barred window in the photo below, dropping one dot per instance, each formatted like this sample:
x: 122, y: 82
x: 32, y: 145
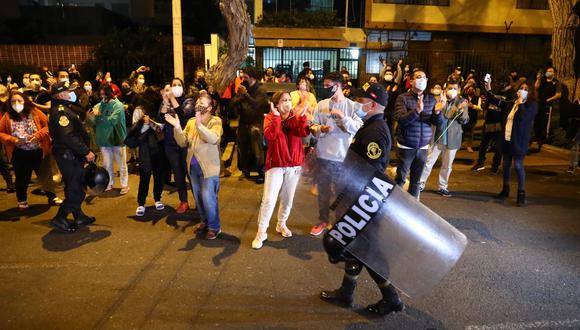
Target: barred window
x: 532, y: 4
x: 416, y: 2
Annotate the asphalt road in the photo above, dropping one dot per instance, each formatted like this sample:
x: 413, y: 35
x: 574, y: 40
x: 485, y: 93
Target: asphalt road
x: 521, y: 268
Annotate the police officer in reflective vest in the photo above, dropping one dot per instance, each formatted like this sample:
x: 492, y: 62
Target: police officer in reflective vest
x: 70, y: 147
x: 373, y: 143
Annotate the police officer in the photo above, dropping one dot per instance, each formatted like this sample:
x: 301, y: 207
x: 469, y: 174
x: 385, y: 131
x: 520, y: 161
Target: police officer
x: 70, y: 147
x: 373, y: 143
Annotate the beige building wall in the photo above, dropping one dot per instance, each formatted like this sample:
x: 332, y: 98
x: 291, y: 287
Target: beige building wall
x: 462, y: 16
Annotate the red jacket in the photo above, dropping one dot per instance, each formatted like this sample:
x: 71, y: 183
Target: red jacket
x: 285, y: 140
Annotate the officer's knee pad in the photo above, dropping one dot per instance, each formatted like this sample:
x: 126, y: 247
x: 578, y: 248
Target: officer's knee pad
x: 352, y: 267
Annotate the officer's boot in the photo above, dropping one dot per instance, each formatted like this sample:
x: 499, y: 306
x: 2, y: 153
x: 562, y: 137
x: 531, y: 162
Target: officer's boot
x: 390, y: 302
x: 62, y: 224
x: 83, y: 220
x: 505, y: 192
x: 342, y: 296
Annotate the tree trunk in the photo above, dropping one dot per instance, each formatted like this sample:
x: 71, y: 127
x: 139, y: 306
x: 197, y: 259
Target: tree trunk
x: 564, y: 22
x: 236, y: 15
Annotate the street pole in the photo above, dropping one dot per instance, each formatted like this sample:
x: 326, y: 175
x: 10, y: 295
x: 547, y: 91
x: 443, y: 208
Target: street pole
x: 177, y: 39
x: 346, y: 15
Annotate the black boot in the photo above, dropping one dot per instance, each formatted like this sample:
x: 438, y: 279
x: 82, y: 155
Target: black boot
x: 62, y: 224
x: 390, y: 302
x: 84, y: 220
x: 505, y: 192
x: 342, y: 296
x: 521, y: 198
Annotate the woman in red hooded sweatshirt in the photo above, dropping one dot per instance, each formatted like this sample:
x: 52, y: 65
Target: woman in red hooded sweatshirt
x: 284, y: 129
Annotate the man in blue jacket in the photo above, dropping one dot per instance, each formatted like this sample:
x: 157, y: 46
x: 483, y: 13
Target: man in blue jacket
x: 415, y: 112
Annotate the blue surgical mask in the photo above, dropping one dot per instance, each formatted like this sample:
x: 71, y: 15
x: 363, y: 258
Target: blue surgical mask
x: 523, y: 94
x: 360, y: 112
x: 72, y: 97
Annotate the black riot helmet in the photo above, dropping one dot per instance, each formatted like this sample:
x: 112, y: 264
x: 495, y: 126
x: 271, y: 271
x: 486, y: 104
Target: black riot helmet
x: 96, y: 178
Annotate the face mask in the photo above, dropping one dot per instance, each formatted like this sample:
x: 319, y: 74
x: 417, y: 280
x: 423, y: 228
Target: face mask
x: 88, y: 88
x: 125, y: 89
x: 177, y: 91
x: 201, y: 109
x: 436, y: 92
x: 311, y: 76
x: 523, y: 94
x: 302, y: 87
x: 108, y: 80
x: 421, y: 84
x: 9, y: 80
x: 63, y: 80
x: 18, y: 107
x: 140, y: 81
x: 286, y: 106
x: 549, y: 74
x: 360, y: 111
x: 407, y: 69
x: 452, y: 93
x: 246, y: 84
x: 72, y: 97
x: 26, y: 82
x: 328, y: 92
x: 388, y: 77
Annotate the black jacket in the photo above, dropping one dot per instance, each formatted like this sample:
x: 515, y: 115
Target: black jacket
x: 150, y: 146
x: 252, y: 106
x: 68, y: 134
x: 373, y: 142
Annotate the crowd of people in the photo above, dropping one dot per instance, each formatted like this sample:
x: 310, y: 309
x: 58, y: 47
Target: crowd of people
x: 178, y: 132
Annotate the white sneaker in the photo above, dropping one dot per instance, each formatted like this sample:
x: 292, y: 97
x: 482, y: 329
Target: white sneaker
x: 283, y: 230
x: 159, y: 206
x: 258, y: 242
x: 140, y: 211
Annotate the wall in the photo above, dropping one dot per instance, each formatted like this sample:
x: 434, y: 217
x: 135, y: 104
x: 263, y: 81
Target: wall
x: 478, y: 16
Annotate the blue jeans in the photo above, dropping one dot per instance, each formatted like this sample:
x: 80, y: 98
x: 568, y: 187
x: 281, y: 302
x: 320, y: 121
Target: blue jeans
x: 205, y: 192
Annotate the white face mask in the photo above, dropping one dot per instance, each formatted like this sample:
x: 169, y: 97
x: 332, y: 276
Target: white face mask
x: 303, y: 87
x: 421, y: 84
x: 523, y: 94
x: 88, y: 88
x: 388, y: 77
x: 286, y: 106
x: 549, y: 74
x: 452, y: 93
x: 18, y: 107
x: 437, y: 92
x: 63, y: 80
x: 108, y: 80
x: 311, y: 76
x: 141, y: 81
x: 177, y: 91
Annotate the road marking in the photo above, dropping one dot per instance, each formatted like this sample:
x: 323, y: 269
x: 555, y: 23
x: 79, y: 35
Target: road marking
x: 528, y: 325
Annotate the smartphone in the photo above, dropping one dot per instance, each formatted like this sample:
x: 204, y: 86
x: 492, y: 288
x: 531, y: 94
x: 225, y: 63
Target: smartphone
x: 487, y: 78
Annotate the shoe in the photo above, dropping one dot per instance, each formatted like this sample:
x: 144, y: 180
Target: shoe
x: 337, y: 297
x: 384, y: 307
x: 84, y: 220
x: 55, y: 201
x: 505, y: 192
x: 183, y: 206
x: 318, y: 229
x: 109, y: 188
x: 258, y: 242
x: 10, y: 188
x: 200, y: 227
x: 421, y: 186
x: 260, y: 179
x: 570, y: 170
x: 62, y: 224
x: 470, y: 150
x: 140, y: 211
x: 444, y: 192
x: 124, y: 190
x: 212, y: 234
x: 283, y: 230
x: 521, y: 200
x: 159, y: 206
x: 22, y: 206
x: 478, y: 167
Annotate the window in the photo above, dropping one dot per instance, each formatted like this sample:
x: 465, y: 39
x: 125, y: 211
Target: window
x: 416, y: 2
x: 532, y: 4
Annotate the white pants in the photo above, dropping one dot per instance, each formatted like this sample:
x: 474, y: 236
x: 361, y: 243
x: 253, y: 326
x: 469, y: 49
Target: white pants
x: 282, y: 181
x: 121, y: 159
x: 446, y: 164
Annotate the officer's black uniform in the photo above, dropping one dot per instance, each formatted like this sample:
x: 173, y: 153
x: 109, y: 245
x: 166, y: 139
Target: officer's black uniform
x: 373, y: 143
x: 70, y: 146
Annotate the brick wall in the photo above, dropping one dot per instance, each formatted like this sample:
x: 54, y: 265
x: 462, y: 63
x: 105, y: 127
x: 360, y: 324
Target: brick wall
x: 54, y: 56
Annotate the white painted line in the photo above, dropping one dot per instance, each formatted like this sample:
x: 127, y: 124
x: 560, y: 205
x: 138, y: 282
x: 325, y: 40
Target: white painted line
x: 529, y: 325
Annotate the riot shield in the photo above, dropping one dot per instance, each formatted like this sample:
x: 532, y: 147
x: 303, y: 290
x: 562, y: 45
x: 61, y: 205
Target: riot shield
x: 391, y: 232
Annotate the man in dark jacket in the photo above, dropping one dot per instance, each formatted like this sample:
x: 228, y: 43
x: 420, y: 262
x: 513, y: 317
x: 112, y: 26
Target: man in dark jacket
x: 415, y: 112
x: 251, y: 103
